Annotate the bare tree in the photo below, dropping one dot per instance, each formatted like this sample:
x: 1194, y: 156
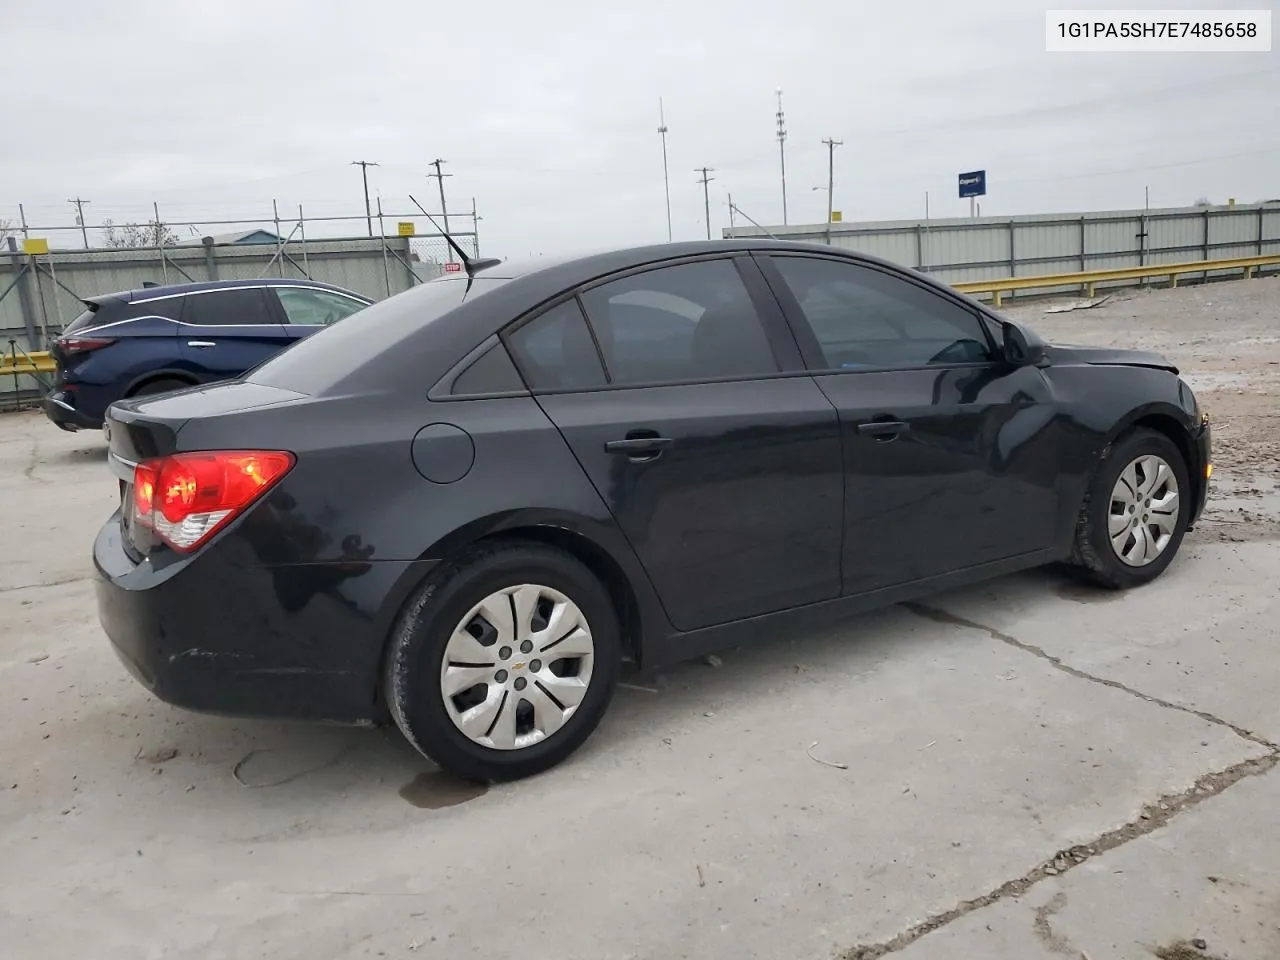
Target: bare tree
x: 1203, y: 202
x: 5, y: 228
x: 153, y: 233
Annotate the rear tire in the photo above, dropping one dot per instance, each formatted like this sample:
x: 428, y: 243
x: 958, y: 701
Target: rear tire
x: 1135, y: 512
x: 496, y: 618
x: 163, y: 385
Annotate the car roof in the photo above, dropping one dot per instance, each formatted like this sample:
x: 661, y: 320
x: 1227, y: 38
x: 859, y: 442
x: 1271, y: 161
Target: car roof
x: 178, y: 289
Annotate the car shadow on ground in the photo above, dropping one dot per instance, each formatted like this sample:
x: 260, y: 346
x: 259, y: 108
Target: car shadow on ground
x: 92, y: 453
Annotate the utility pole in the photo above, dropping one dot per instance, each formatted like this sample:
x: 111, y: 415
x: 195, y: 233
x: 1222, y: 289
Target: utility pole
x: 666, y: 180
x: 444, y: 211
x: 364, y: 166
x: 782, y: 155
x: 706, y: 195
x: 831, y: 178
x: 84, y: 232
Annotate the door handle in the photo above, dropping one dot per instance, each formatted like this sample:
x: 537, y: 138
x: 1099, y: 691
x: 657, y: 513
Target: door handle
x: 201, y: 343
x: 638, y: 447
x: 884, y: 430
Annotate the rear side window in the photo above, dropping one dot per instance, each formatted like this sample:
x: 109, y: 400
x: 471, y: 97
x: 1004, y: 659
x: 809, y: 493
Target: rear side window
x: 555, y: 351
x: 693, y: 321
x: 242, y: 307
x: 169, y: 308
x: 493, y: 372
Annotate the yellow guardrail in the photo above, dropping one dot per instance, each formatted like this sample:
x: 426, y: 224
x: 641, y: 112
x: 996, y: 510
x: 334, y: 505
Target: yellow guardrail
x: 31, y: 363
x: 1089, y: 279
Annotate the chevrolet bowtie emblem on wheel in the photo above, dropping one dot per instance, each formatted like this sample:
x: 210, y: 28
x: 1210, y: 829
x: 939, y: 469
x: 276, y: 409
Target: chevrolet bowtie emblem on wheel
x: 518, y: 665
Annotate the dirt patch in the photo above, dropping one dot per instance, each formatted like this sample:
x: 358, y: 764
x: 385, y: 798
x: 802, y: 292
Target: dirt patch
x: 1183, y: 950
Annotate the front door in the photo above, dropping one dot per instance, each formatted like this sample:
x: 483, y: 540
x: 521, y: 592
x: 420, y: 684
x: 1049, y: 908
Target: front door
x: 228, y: 331
x: 950, y: 453
x: 724, y: 475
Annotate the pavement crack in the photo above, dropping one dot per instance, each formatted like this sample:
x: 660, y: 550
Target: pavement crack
x: 1053, y: 941
x: 30, y: 470
x: 45, y: 583
x: 943, y: 616
x: 1152, y: 817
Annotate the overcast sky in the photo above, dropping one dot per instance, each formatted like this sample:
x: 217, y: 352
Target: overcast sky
x: 547, y: 113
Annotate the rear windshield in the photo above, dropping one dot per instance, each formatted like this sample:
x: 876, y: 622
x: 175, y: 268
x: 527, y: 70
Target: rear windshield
x: 316, y: 363
x: 84, y: 320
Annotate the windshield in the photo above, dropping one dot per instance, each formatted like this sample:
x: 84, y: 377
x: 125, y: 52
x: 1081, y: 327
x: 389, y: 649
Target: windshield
x: 316, y: 363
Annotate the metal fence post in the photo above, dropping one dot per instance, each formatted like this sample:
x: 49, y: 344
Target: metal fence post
x: 1262, y: 212
x: 160, y: 238
x: 920, y: 247
x: 1013, y: 252
x: 210, y: 258
x: 302, y: 229
x: 24, y: 292
x: 1083, y: 255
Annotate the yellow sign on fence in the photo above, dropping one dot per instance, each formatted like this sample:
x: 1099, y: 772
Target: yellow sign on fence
x: 34, y: 246
x: 405, y: 228
x: 836, y: 216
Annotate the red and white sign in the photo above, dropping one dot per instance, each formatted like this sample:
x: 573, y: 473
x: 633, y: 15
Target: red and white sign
x: 453, y: 267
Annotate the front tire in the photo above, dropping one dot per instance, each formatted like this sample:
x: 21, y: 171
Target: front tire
x: 504, y: 663
x: 1135, y: 512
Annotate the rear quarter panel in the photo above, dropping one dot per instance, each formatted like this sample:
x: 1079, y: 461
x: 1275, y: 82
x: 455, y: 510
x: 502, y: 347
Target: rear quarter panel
x: 356, y: 504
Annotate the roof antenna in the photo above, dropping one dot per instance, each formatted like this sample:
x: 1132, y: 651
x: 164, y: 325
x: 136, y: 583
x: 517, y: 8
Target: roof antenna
x: 470, y: 264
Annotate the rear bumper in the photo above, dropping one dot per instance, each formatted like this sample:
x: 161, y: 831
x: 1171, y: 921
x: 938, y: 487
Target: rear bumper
x: 59, y: 409
x: 215, y: 637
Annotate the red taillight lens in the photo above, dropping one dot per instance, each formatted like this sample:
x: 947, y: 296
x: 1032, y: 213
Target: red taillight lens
x: 76, y: 345
x: 187, y: 497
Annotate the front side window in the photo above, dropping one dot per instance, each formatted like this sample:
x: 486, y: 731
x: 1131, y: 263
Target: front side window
x: 315, y: 308
x: 867, y: 318
x: 693, y: 321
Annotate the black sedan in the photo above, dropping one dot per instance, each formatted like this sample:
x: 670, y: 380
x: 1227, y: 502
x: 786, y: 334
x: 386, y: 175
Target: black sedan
x: 465, y: 513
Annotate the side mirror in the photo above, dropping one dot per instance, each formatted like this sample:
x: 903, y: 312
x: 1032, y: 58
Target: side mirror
x: 1023, y: 347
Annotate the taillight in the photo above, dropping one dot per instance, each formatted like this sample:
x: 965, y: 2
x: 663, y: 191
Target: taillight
x: 187, y: 497
x: 75, y: 345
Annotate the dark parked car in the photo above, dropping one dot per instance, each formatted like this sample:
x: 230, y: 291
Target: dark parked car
x: 157, y: 339
x: 467, y: 511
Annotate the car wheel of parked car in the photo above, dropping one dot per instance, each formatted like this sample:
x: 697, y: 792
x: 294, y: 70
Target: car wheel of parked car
x: 1135, y: 513
x: 163, y: 385
x: 504, y: 663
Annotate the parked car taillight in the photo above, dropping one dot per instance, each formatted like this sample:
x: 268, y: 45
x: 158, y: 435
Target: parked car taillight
x: 187, y: 497
x: 75, y: 345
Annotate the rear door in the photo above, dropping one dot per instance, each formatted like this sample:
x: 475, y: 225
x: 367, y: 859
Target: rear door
x: 685, y: 401
x: 308, y: 309
x: 951, y: 453
x: 226, y: 332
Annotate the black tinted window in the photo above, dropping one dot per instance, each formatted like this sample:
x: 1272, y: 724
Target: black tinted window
x: 493, y: 372
x: 695, y: 321
x: 556, y: 352
x: 867, y: 318
x: 169, y: 307
x: 225, y: 307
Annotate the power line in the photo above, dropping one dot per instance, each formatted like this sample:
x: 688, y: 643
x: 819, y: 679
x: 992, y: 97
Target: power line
x: 439, y: 176
x: 364, y: 166
x: 706, y: 194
